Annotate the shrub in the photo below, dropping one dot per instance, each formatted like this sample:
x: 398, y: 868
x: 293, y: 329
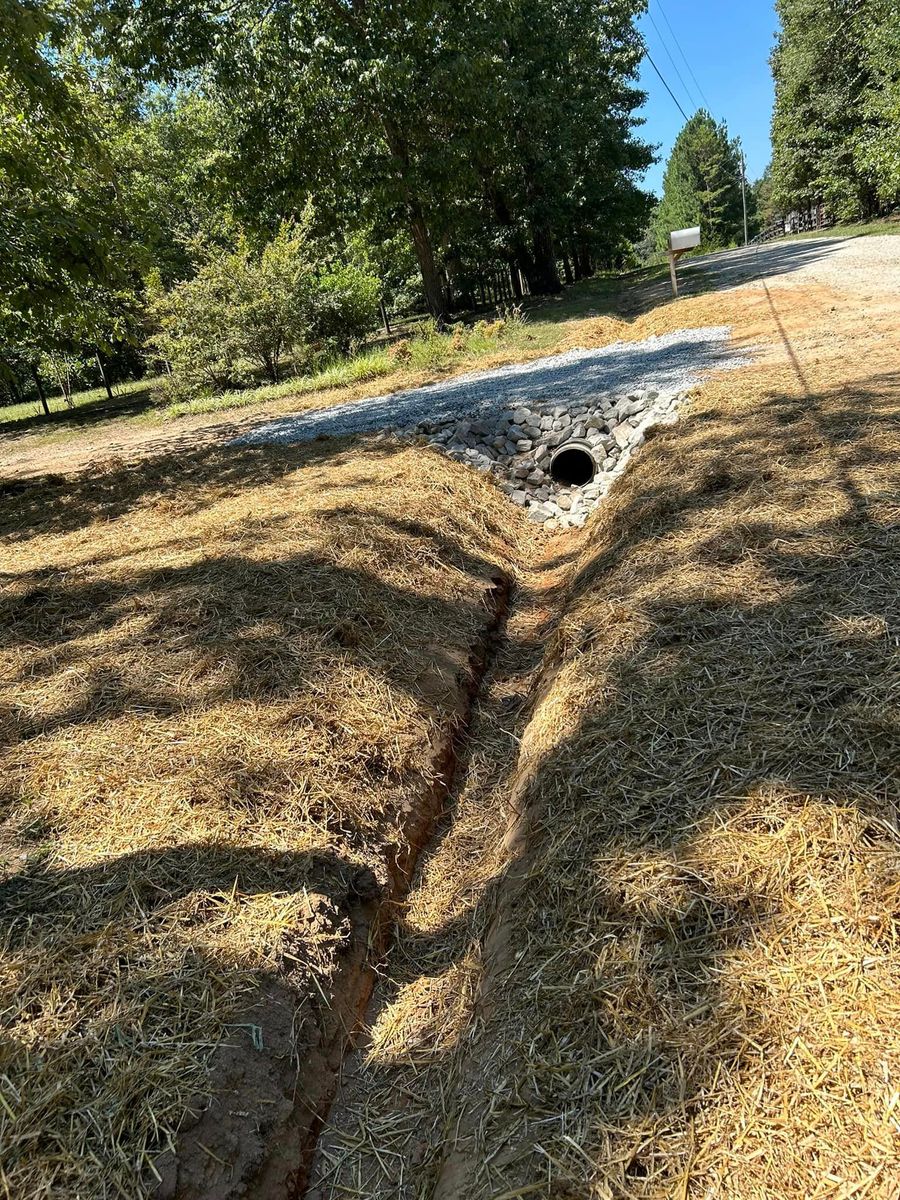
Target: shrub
x: 343, y: 307
x: 244, y: 310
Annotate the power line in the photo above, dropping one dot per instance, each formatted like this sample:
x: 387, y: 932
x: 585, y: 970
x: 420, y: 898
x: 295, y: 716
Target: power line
x: 665, y: 85
x: 683, y: 55
x: 662, y: 42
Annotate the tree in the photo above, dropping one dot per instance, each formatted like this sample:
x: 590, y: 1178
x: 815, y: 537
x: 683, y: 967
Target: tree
x: 835, y: 73
x: 877, y: 148
x: 66, y: 272
x: 498, y: 125
x: 244, y: 309
x: 702, y: 185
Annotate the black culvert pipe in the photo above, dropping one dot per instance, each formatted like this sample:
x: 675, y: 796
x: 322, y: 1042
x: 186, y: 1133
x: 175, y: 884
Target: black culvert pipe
x: 573, y: 464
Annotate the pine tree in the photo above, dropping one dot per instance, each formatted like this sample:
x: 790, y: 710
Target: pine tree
x: 702, y: 185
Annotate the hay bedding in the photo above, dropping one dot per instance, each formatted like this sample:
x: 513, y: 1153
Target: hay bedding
x: 703, y: 995
x: 222, y: 680
x: 681, y: 979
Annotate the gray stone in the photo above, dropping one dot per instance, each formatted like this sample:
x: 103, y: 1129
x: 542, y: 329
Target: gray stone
x: 520, y: 416
x: 523, y: 445
x: 536, y: 476
x: 519, y: 496
x: 537, y: 513
x: 546, y: 422
x: 564, y: 501
x: 515, y: 432
x: 623, y: 434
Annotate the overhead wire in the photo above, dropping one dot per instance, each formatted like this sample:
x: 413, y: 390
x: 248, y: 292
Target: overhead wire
x: 662, y: 12
x: 664, y: 83
x: 662, y: 41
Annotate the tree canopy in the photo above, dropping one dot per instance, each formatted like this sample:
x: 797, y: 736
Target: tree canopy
x: 836, y: 121
x: 702, y: 185
x: 453, y: 140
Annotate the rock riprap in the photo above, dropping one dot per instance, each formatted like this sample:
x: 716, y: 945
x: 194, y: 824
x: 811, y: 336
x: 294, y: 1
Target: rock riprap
x: 516, y: 445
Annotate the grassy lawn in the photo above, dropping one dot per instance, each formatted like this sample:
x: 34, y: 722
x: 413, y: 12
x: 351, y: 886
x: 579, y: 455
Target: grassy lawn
x: 888, y: 226
x: 410, y: 360
x: 88, y: 407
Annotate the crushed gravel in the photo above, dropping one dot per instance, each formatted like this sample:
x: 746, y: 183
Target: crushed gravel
x: 672, y: 362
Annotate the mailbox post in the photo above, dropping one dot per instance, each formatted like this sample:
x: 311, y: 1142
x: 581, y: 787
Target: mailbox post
x: 680, y: 241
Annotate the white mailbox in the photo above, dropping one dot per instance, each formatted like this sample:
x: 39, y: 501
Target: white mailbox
x: 684, y: 239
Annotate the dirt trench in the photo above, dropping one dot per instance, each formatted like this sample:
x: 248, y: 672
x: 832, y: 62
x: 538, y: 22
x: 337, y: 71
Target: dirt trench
x: 286, y: 1088
x: 389, y: 1127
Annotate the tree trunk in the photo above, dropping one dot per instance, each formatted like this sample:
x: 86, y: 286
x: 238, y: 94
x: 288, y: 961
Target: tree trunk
x: 431, y: 276
x: 103, y: 375
x: 384, y: 317
x: 431, y: 279
x: 545, y: 277
x: 40, y: 390
x: 567, y: 270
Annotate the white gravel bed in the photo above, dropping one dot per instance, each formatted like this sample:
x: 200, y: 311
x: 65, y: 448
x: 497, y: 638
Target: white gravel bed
x: 673, y: 362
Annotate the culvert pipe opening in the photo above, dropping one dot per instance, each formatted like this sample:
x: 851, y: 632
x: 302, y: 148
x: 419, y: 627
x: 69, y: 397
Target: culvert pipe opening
x: 573, y: 465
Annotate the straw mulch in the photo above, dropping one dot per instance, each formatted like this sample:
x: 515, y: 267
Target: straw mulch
x: 223, y: 676
x: 679, y: 976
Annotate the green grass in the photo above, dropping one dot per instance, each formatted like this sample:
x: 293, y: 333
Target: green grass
x: 83, y: 403
x: 371, y: 364
x: 889, y: 226
x: 427, y: 350
x: 423, y: 351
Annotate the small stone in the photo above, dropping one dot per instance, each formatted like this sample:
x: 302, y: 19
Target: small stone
x: 515, y: 432
x: 623, y: 435
x: 546, y: 423
x: 519, y: 496
x: 551, y: 526
x: 536, y: 476
x: 520, y: 416
x: 558, y: 412
x: 537, y: 513
x: 608, y: 463
x: 522, y: 470
x: 595, y: 421
x: 579, y: 431
x: 523, y: 445
x: 564, y: 501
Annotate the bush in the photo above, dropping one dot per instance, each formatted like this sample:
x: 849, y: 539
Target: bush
x: 244, y: 310
x: 343, y: 307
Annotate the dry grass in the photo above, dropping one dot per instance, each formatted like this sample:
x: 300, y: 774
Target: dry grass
x: 654, y: 952
x: 682, y: 978
x: 703, y: 995
x: 222, y: 677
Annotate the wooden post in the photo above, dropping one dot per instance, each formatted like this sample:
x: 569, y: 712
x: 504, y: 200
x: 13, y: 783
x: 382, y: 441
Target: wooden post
x: 384, y: 317
x: 673, y: 274
x: 674, y: 256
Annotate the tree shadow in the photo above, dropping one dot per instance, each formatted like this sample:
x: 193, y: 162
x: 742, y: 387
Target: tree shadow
x: 94, y: 412
x: 725, y: 762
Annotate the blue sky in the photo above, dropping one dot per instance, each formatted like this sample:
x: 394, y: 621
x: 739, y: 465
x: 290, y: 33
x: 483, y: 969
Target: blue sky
x: 727, y: 44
